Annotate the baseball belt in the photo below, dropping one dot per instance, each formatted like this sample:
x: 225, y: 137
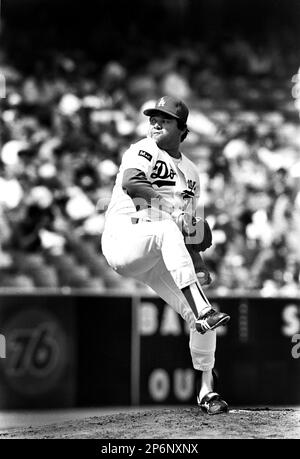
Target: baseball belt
x: 135, y: 220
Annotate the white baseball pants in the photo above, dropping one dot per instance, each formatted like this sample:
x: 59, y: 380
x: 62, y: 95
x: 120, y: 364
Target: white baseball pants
x: 155, y: 253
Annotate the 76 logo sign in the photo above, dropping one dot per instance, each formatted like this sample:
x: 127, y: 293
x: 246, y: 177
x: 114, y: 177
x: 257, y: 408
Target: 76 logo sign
x: 33, y: 351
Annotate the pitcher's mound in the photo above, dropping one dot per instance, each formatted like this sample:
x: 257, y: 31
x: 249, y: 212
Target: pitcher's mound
x: 174, y: 423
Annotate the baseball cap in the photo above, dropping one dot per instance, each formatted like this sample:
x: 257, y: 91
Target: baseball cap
x: 171, y: 106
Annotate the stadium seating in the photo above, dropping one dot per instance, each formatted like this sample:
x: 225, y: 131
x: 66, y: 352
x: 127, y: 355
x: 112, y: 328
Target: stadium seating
x: 63, y: 137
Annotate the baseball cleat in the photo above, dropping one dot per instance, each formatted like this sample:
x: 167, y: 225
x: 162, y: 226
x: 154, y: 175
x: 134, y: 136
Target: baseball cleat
x: 212, y: 403
x: 211, y: 320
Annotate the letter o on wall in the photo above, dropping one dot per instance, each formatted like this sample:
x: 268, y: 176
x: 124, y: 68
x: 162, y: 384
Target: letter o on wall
x: 159, y: 385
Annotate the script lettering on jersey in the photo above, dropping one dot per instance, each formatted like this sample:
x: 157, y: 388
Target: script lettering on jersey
x: 162, y: 172
x: 190, y: 192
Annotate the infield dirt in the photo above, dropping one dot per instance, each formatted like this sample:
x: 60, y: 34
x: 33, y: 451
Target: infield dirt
x: 173, y: 423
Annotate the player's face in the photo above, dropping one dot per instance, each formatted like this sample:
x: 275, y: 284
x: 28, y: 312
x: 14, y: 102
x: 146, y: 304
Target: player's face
x: 164, y: 130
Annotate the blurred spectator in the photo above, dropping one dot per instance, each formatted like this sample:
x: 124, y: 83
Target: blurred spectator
x: 67, y: 120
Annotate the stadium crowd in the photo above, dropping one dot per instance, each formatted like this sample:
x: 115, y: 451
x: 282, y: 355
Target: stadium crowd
x: 66, y: 123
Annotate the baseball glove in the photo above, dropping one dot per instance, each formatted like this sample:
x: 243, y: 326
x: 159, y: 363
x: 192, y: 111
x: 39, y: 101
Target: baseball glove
x: 197, y: 233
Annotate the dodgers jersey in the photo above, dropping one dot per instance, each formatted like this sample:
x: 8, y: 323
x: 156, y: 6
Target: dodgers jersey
x: 176, y: 180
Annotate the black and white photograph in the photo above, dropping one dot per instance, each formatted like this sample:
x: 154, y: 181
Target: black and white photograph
x: 149, y: 222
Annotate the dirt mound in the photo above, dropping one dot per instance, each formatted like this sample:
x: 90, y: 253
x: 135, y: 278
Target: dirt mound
x: 175, y: 423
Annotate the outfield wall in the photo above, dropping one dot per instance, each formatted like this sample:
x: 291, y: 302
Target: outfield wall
x: 83, y: 349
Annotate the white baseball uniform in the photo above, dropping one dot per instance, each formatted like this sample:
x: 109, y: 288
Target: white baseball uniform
x: 153, y: 249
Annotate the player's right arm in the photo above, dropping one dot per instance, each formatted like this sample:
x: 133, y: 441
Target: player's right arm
x: 201, y: 269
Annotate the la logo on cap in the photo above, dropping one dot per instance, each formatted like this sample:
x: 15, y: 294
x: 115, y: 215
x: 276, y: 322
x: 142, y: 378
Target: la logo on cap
x: 161, y: 103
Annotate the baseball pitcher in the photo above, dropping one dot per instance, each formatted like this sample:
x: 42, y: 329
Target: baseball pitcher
x: 154, y: 234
